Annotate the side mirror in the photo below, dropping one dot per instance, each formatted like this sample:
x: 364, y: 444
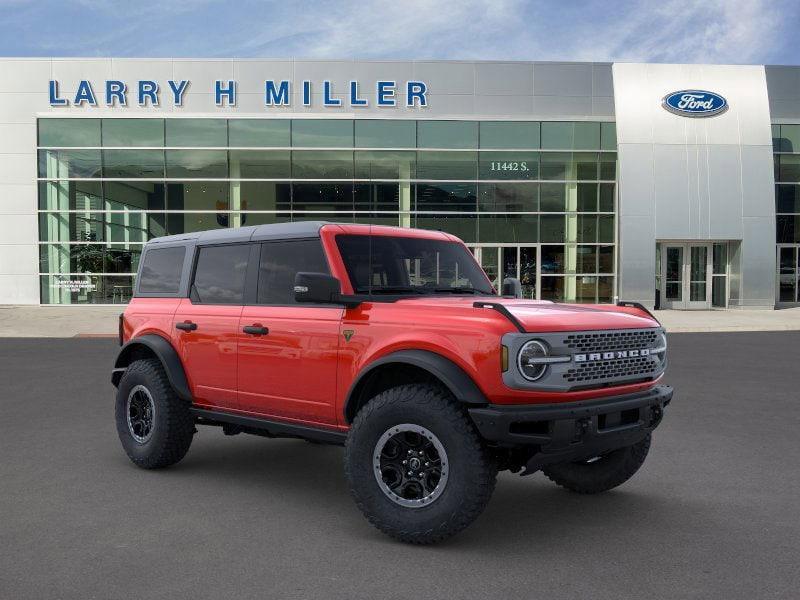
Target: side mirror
x: 319, y: 288
x: 512, y: 287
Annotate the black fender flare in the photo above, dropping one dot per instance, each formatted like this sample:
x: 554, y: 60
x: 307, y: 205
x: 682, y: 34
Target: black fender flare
x: 165, y: 353
x: 453, y: 377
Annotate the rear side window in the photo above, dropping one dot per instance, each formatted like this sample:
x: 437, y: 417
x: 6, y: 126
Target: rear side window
x: 280, y: 262
x: 220, y: 274
x: 161, y: 270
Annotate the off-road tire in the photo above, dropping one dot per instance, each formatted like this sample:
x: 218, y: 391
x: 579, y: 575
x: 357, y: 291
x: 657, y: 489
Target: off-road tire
x: 472, y: 471
x: 173, y: 426
x: 609, y: 471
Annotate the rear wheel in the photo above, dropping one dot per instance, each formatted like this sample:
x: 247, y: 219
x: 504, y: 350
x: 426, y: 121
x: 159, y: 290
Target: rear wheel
x: 600, y: 473
x: 153, y: 424
x: 416, y: 467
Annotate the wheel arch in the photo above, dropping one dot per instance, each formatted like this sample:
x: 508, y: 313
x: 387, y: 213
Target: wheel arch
x: 153, y: 346
x: 407, y: 366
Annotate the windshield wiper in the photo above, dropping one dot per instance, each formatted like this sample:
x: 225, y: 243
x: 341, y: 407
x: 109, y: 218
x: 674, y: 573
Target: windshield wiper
x: 391, y: 289
x: 459, y: 290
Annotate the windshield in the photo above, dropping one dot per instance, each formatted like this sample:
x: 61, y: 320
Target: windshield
x: 405, y: 265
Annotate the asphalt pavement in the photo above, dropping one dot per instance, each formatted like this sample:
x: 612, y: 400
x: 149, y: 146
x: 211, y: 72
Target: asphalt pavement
x: 714, y: 512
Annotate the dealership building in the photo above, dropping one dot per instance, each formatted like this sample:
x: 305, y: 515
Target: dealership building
x: 676, y: 186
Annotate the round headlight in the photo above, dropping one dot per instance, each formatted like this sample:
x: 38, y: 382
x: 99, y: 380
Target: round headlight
x: 528, y: 360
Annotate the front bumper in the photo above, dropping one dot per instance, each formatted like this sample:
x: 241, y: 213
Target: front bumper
x: 575, y: 430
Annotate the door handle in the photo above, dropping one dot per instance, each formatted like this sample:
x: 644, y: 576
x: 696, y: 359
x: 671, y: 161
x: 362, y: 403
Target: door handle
x: 186, y: 326
x: 255, y: 329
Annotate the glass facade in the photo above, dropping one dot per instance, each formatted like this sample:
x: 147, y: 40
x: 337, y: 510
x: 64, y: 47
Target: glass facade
x: 786, y: 148
x: 533, y: 200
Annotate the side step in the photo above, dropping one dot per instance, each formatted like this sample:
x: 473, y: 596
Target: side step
x: 268, y: 427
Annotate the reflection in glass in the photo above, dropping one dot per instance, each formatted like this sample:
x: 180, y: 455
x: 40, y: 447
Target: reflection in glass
x: 509, y: 134
x: 198, y: 133
x: 322, y: 133
x: 447, y: 165
x: 65, y: 133
x: 260, y: 164
x: 258, y: 133
x: 447, y: 134
x: 211, y: 164
x: 132, y: 164
x: 384, y: 133
x: 133, y: 132
x: 64, y: 164
x: 322, y: 164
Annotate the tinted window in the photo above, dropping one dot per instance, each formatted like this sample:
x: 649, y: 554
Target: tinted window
x: 280, y: 262
x: 405, y: 265
x: 161, y: 270
x: 220, y: 274
x: 69, y: 132
x: 133, y: 132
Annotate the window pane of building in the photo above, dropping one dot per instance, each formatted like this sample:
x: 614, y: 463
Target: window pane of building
x: 587, y: 197
x: 606, y: 197
x: 447, y: 165
x: 447, y: 134
x: 556, y: 165
x: 67, y: 133
x: 329, y: 197
x: 788, y: 229
x: 322, y: 164
x: 518, y: 228
x: 196, y: 133
x: 608, y: 166
x: 259, y: 133
x: 789, y: 170
x: 509, y: 165
x: 558, y: 135
x: 127, y: 227
x: 552, y: 228
x: 509, y: 134
x: 605, y: 229
x: 134, y: 195
x: 322, y: 133
x: 787, y: 198
x: 385, y: 165
x: 587, y: 229
x: 133, y: 164
x: 605, y: 262
x: 67, y: 164
x: 552, y: 288
x: 608, y: 136
x: 261, y: 195
x: 207, y: 201
x: 70, y: 195
x: 508, y: 197
x: 451, y: 197
x: 205, y: 164
x: 553, y: 197
x: 260, y: 164
x: 586, y: 166
x: 463, y: 227
x: 587, y: 136
x: 381, y: 197
x: 790, y: 138
x: 133, y: 132
x: 384, y: 133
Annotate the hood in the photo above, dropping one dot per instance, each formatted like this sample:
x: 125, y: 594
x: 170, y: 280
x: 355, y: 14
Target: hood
x: 536, y: 315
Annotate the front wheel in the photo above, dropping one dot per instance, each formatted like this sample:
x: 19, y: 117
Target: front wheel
x: 600, y: 473
x: 416, y: 467
x: 153, y: 424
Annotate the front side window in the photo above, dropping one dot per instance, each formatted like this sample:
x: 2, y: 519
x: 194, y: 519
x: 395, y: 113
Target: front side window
x: 220, y: 274
x: 161, y: 270
x: 281, y: 262
x: 406, y: 265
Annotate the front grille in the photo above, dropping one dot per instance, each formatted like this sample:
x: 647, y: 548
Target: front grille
x: 611, y: 340
x: 604, y: 370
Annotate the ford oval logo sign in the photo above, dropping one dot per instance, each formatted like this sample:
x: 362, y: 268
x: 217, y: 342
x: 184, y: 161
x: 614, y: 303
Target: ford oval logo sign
x: 695, y: 103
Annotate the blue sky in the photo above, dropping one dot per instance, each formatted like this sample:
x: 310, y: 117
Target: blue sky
x: 707, y: 31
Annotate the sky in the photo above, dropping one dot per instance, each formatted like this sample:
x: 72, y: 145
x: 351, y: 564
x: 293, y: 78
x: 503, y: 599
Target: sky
x: 679, y: 31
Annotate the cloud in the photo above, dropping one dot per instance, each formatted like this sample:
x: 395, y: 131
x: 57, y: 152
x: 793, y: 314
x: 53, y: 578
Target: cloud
x: 711, y: 31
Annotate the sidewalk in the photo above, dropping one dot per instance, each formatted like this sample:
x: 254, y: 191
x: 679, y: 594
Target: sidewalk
x: 101, y: 321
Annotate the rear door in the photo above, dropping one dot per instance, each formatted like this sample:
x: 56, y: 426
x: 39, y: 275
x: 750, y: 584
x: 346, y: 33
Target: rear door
x: 287, y: 361
x: 206, y: 324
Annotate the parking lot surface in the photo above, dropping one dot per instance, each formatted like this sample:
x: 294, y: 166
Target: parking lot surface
x: 714, y: 512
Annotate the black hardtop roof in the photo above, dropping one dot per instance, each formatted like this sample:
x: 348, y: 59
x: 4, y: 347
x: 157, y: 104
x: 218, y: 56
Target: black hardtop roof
x: 275, y: 231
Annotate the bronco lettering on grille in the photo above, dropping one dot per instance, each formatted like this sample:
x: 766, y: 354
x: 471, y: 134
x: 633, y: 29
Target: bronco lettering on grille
x: 594, y: 356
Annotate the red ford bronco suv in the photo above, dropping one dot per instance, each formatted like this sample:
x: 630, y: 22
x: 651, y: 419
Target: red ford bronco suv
x: 394, y: 343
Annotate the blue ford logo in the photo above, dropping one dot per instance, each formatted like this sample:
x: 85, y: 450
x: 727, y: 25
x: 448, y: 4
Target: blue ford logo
x: 695, y: 103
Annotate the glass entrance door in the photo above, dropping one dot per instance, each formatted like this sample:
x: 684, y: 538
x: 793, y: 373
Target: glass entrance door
x: 686, y: 276
x: 788, y: 274
x: 519, y: 262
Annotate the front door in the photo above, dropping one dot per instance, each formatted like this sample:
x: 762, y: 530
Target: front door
x: 686, y: 275
x: 288, y: 352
